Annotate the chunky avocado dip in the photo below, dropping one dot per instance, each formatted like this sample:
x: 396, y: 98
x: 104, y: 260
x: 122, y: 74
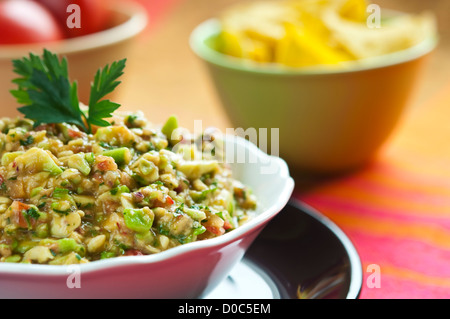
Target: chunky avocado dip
x: 75, y: 188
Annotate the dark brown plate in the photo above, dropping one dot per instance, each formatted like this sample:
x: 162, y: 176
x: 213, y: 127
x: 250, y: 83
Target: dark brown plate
x: 300, y: 254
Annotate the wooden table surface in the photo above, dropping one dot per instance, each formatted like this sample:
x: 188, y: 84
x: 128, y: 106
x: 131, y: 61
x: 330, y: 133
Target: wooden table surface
x: 165, y: 77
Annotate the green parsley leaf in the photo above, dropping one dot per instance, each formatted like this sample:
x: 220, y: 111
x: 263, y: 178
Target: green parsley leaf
x: 49, y: 97
x: 45, y: 89
x: 105, y: 82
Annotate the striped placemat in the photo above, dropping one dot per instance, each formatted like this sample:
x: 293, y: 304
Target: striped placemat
x: 397, y: 210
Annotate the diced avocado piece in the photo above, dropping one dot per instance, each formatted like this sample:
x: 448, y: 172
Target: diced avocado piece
x: 84, y: 200
x: 60, y: 207
x: 107, y: 254
x: 119, y: 190
x: 115, y: 135
x: 232, y: 206
x: 121, y: 156
x: 8, y: 158
x: 90, y: 158
x: 195, y: 214
x: 103, y: 134
x: 50, y: 166
x: 145, y: 171
x: 38, y: 160
x: 13, y: 259
x: 146, y: 237
x: 78, y: 161
x: 168, y: 128
x: 67, y: 259
x: 201, y: 196
x: 60, y: 193
x: 69, y: 244
x: 63, y: 129
x: 195, y: 169
x: 137, y: 219
x: 42, y: 231
x: 36, y: 191
x: 24, y: 246
x: 63, y: 201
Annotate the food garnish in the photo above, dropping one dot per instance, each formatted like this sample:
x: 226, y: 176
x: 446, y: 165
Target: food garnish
x: 50, y: 97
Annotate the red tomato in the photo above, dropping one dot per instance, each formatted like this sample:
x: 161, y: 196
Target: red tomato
x: 216, y: 230
x: 227, y: 225
x: 93, y: 15
x: 23, y: 21
x: 169, y: 201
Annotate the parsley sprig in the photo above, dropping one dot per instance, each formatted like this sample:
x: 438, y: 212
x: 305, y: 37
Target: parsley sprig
x: 49, y: 97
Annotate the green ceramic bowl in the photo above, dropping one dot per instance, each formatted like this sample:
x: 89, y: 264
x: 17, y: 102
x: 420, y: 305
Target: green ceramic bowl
x: 329, y: 120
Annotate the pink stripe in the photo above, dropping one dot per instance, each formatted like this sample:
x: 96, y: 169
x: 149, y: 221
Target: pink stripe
x: 357, y: 210
x: 386, y: 191
x: 396, y: 288
x: 395, y: 169
x: 409, y: 254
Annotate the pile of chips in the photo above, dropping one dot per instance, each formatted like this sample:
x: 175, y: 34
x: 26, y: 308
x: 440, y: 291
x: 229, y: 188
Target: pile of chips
x: 302, y: 33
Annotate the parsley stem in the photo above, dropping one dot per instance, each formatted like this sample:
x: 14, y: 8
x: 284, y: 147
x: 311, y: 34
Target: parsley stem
x: 87, y: 129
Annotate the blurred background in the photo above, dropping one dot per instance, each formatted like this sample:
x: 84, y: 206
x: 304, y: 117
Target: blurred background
x: 166, y: 78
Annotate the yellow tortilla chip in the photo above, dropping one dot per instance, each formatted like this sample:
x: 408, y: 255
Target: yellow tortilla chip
x: 354, y: 10
x: 301, y: 48
x: 229, y: 43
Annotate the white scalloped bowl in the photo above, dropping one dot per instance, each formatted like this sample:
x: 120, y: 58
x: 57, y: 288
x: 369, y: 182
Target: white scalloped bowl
x: 188, y: 271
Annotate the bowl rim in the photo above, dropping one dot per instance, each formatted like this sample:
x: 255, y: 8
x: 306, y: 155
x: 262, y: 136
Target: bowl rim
x: 211, y: 27
x: 136, y: 21
x: 266, y: 214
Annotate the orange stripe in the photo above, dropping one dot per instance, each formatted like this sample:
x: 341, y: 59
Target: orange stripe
x: 408, y: 181
x: 421, y: 205
x: 430, y: 233
x: 421, y: 141
x: 433, y: 166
